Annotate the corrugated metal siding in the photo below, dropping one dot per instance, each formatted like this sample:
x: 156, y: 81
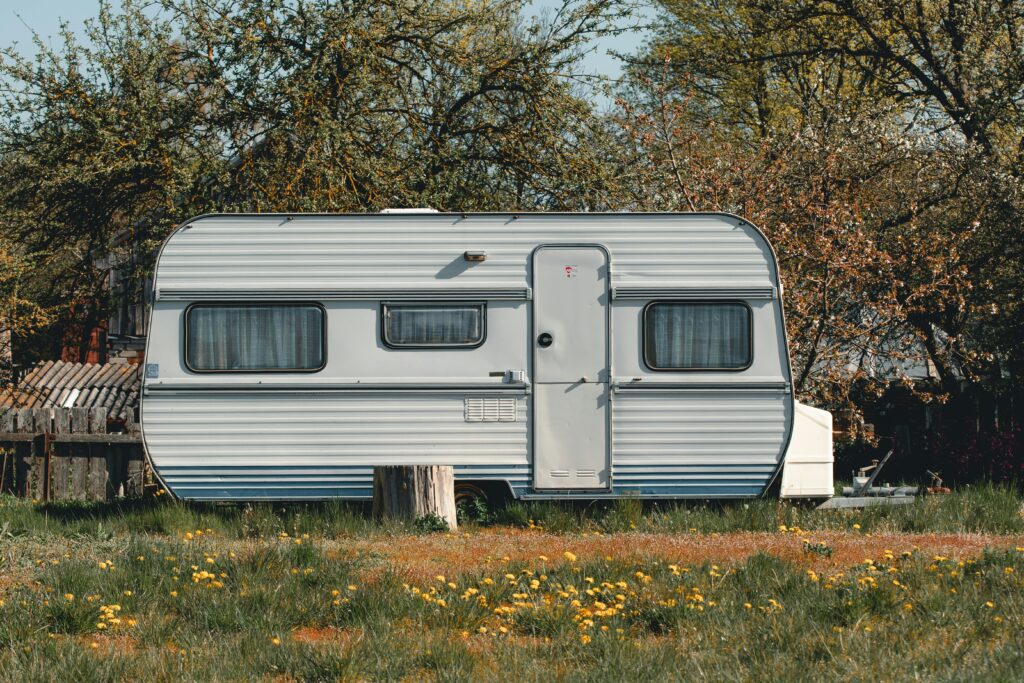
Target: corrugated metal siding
x: 697, y: 444
x: 311, y: 253
x: 304, y: 446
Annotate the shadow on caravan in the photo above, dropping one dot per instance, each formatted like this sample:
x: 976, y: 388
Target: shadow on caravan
x: 542, y: 355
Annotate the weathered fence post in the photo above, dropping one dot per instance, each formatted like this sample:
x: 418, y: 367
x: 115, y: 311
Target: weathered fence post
x: 7, y: 455
x: 25, y: 461
x: 410, y: 492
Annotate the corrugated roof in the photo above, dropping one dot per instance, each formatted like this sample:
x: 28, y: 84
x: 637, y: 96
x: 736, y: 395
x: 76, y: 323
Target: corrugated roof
x: 78, y: 385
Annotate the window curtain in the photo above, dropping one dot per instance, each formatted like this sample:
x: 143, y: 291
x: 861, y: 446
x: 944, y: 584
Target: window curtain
x: 255, y: 338
x: 433, y: 325
x: 696, y: 336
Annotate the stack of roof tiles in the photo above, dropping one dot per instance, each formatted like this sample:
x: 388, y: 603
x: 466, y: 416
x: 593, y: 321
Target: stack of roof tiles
x: 78, y: 385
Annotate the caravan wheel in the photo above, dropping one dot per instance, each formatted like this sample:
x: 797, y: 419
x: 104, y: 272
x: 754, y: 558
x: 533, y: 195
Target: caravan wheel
x: 468, y: 493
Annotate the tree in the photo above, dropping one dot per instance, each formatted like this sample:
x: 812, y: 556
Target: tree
x: 359, y: 106
x: 97, y: 141
x: 287, y: 105
x: 887, y: 224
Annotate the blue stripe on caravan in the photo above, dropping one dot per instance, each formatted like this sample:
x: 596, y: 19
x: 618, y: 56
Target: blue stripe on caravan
x: 689, y: 491
x: 292, y: 482
x: 356, y: 482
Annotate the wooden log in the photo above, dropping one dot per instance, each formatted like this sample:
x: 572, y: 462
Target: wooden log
x: 411, y: 492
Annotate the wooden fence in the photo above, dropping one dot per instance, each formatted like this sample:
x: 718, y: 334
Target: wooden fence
x: 49, y: 453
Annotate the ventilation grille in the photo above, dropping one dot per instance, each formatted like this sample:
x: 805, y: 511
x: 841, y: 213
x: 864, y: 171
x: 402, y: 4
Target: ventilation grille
x: 490, y: 410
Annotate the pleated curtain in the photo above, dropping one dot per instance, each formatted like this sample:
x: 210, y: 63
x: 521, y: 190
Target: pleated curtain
x: 433, y: 325
x: 698, y: 336
x: 255, y: 338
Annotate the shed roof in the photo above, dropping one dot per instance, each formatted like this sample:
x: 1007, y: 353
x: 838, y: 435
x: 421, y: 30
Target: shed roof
x: 78, y: 385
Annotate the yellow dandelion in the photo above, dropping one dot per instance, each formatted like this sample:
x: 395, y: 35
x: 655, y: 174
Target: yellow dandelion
x: 856, y: 527
x: 989, y: 604
x: 275, y: 641
x: 69, y: 596
x: 584, y: 639
x: 569, y: 556
x: 351, y: 587
x: 907, y: 606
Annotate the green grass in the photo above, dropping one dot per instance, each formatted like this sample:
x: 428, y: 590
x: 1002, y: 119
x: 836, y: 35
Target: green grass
x: 210, y: 605
x: 980, y: 509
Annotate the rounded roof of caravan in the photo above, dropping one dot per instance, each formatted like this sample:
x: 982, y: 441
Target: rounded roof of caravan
x: 306, y: 253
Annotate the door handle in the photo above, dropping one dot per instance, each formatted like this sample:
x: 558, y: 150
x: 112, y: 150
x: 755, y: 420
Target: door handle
x: 544, y: 340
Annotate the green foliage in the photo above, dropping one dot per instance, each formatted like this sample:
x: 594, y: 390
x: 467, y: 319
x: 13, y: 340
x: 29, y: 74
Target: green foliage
x: 430, y: 523
x: 475, y: 509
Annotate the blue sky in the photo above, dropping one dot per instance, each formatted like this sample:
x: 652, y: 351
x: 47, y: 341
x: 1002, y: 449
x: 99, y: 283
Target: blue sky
x: 19, y: 18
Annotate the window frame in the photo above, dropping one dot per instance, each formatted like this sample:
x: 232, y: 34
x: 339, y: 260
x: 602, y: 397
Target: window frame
x: 255, y: 304
x: 655, y: 302
x: 383, y: 328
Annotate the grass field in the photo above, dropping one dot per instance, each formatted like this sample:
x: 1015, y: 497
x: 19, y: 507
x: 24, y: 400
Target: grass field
x: 162, y: 590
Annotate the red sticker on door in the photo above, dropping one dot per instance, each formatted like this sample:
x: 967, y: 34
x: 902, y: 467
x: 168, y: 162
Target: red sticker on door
x: 570, y: 271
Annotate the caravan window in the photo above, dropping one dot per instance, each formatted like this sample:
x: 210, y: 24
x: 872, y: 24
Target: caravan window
x: 432, y: 325
x: 697, y: 336
x: 254, y: 337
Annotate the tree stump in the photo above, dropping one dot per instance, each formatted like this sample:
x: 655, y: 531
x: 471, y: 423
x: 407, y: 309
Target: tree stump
x: 410, y: 492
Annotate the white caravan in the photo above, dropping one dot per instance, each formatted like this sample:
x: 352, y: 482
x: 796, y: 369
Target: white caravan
x: 542, y: 355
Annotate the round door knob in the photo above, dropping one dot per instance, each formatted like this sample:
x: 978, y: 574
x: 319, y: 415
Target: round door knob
x: 545, y: 339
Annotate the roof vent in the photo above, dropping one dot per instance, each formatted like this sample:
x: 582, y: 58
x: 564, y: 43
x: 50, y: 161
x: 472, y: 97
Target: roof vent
x: 424, y: 209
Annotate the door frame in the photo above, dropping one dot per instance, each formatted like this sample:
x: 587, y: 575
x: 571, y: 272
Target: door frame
x: 532, y: 341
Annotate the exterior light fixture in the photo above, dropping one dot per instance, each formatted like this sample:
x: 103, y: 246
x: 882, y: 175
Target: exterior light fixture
x: 475, y: 255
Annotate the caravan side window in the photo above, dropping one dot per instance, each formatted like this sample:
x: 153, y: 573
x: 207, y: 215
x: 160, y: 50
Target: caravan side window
x: 683, y: 335
x: 432, y: 325
x: 254, y: 337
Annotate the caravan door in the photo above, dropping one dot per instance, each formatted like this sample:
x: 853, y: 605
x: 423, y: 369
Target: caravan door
x: 570, y: 368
